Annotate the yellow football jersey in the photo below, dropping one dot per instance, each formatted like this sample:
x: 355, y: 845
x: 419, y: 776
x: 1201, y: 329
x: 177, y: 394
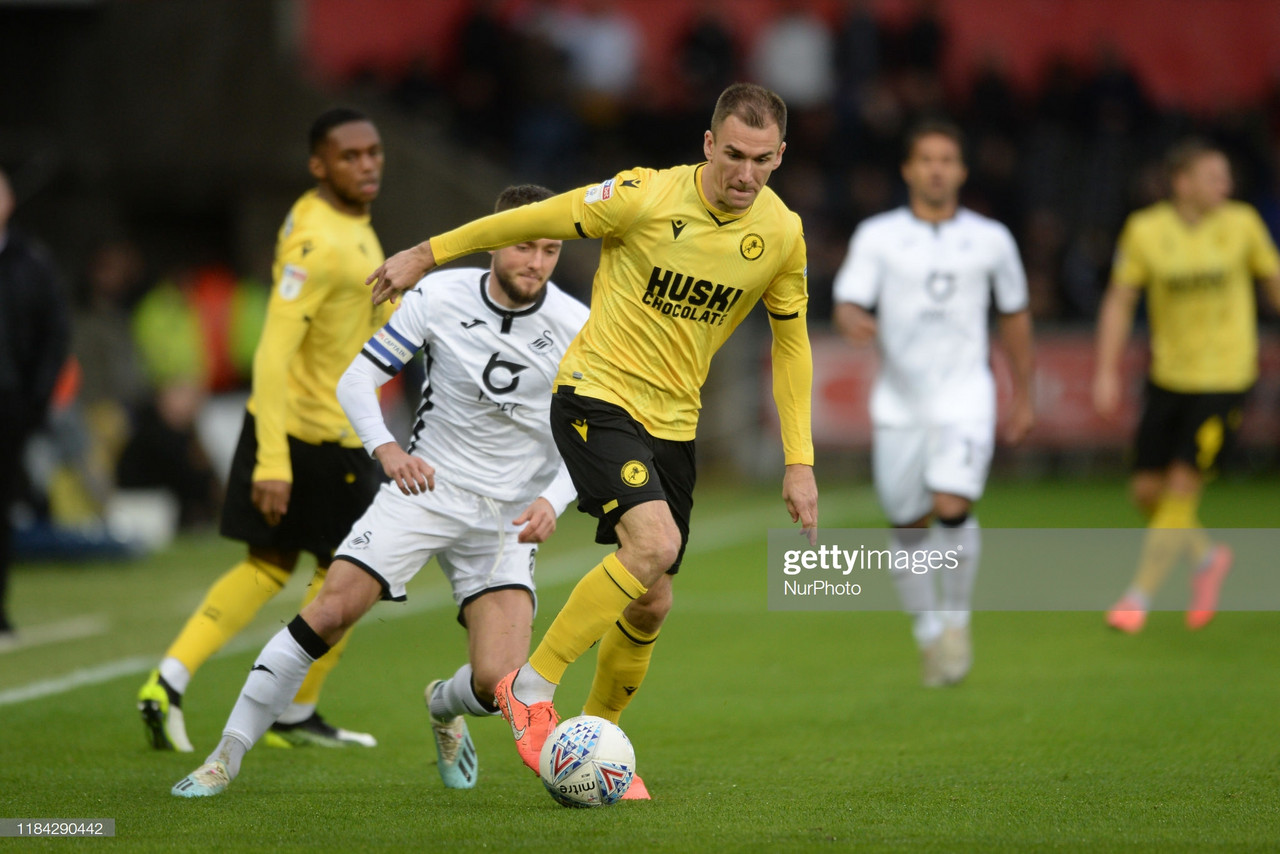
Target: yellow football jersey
x: 676, y: 277
x: 319, y: 316
x: 1199, y: 283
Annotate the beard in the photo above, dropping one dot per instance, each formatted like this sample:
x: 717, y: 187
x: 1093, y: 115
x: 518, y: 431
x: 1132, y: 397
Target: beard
x: 517, y: 296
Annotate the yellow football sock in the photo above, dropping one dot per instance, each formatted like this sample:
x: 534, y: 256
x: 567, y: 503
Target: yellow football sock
x: 1174, y: 531
x: 621, y: 663
x: 594, y: 605
x: 232, y: 601
x: 309, y: 691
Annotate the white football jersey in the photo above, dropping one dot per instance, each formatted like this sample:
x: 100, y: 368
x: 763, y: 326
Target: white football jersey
x: 931, y: 286
x: 483, y: 422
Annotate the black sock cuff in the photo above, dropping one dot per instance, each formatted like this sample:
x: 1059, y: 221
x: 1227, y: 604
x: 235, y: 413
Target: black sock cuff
x: 635, y: 640
x: 491, y: 707
x: 175, y: 699
x: 312, y: 644
x: 954, y: 521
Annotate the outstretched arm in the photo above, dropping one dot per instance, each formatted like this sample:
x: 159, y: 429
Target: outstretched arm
x: 551, y: 218
x: 792, y: 393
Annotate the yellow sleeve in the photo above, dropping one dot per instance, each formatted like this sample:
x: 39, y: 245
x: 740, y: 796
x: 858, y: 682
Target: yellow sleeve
x: 788, y: 293
x: 1130, y: 266
x: 787, y: 301
x: 610, y: 207
x: 1263, y: 259
x: 303, y: 281
x: 550, y: 219
x: 591, y: 211
x: 793, y: 386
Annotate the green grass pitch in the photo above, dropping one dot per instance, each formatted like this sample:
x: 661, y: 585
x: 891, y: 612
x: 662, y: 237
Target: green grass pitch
x: 755, y: 731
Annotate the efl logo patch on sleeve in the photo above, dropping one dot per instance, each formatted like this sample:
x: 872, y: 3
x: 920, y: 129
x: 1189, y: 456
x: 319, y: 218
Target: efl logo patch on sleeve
x: 292, y: 278
x: 599, y: 192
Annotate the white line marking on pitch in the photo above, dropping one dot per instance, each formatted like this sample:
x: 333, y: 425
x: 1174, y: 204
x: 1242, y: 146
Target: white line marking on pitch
x: 74, y: 628
x: 709, y: 535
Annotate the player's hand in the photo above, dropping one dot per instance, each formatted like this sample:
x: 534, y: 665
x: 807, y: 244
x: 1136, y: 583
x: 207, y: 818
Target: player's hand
x: 412, y: 474
x: 541, y: 519
x: 800, y: 492
x: 1022, y: 417
x: 401, y: 272
x: 271, y: 497
x: 855, y: 324
x: 1106, y: 393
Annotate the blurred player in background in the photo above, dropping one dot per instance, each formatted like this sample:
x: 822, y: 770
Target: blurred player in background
x: 480, y: 486
x: 929, y: 271
x: 35, y: 336
x: 686, y: 253
x: 299, y: 477
x: 1196, y: 257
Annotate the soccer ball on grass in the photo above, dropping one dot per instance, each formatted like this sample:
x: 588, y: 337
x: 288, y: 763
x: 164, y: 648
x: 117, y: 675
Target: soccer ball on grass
x: 587, y: 762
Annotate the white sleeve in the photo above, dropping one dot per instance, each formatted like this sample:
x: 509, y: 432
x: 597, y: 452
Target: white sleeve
x: 560, y: 491
x: 357, y: 392
x: 1008, y: 279
x: 382, y: 357
x: 858, y: 279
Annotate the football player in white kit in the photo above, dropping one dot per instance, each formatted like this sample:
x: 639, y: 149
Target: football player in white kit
x: 929, y: 271
x: 479, y: 486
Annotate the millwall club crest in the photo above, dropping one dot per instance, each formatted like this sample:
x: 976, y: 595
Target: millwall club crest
x: 751, y: 247
x: 635, y: 473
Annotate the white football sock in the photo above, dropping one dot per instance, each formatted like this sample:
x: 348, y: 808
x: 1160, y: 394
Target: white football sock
x: 916, y: 591
x: 175, y: 673
x: 456, y: 696
x: 275, y: 679
x: 230, y: 751
x: 297, y: 713
x: 531, y: 687
x: 957, y: 584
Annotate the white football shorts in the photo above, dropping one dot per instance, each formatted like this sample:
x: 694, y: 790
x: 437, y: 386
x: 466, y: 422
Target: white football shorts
x: 910, y: 464
x: 472, y: 537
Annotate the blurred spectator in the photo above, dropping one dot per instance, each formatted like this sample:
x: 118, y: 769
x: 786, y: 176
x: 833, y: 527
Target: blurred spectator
x: 196, y: 334
x: 857, y: 47
x: 546, y: 134
x: 603, y: 45
x: 708, y: 58
x: 857, y: 60
x: 795, y: 57
x: 484, y: 77
x: 102, y: 341
x: 920, y: 44
x: 34, y: 342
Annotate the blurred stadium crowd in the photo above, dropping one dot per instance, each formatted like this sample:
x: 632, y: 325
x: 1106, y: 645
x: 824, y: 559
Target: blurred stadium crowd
x: 556, y: 91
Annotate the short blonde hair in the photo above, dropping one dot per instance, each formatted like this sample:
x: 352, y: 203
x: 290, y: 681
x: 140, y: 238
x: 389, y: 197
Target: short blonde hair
x: 756, y: 106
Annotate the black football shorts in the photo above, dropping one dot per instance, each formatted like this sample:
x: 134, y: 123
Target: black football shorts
x: 616, y: 463
x: 1194, y: 428
x: 332, y: 486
